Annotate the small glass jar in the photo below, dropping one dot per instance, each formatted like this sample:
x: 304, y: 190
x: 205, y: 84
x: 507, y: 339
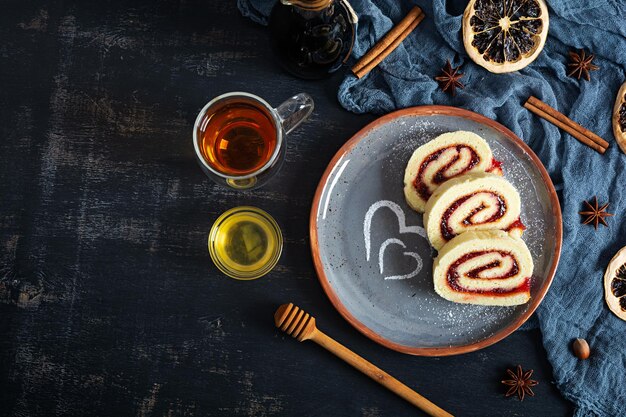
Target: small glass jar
x: 245, y: 243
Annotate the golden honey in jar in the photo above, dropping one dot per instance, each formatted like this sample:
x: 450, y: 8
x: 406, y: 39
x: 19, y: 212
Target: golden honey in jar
x: 245, y: 243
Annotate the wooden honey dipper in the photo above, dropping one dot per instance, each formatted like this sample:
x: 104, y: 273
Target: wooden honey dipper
x: 300, y: 325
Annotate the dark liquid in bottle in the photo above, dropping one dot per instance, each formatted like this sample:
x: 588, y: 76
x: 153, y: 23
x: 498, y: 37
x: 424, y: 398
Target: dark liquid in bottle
x: 311, y: 44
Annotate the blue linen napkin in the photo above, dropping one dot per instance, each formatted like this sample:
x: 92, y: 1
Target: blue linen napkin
x: 574, y: 306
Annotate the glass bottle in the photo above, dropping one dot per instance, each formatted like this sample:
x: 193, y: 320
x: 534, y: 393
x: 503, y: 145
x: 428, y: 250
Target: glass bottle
x: 312, y: 38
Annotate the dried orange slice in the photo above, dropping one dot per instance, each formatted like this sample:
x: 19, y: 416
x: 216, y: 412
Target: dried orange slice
x: 615, y: 284
x: 619, y: 118
x: 505, y: 35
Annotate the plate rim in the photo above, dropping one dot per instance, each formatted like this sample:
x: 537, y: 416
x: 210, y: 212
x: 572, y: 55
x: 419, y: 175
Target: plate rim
x: 430, y: 110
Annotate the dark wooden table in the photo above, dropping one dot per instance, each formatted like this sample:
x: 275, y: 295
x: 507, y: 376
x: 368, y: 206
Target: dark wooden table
x: 109, y: 303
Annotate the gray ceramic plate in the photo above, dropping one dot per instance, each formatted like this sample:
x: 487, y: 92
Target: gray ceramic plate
x: 369, y: 248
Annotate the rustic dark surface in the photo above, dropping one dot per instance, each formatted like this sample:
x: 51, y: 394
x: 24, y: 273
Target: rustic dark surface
x: 109, y: 303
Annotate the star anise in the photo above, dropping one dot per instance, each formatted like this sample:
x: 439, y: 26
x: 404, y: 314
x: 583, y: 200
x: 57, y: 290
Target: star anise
x: 595, y: 213
x: 581, y: 64
x: 520, y: 383
x: 449, y: 78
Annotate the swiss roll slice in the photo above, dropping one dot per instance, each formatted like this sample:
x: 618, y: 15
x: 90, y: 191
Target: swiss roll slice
x: 484, y: 267
x: 443, y: 158
x: 479, y: 201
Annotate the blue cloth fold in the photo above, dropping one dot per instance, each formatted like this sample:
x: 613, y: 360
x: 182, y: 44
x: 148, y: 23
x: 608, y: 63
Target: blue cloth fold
x: 574, y: 306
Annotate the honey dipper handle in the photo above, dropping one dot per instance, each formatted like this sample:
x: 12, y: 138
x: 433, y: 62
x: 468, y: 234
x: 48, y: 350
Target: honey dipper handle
x: 378, y: 375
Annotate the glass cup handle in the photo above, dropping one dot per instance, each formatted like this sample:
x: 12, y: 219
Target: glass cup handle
x: 294, y: 111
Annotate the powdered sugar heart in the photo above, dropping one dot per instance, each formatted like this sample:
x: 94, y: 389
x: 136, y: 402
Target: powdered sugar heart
x: 402, y: 228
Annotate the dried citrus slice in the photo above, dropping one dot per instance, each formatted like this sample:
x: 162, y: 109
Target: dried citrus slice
x: 619, y: 118
x: 615, y: 284
x: 505, y: 35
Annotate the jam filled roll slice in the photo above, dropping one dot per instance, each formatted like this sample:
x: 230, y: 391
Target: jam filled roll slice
x: 479, y: 201
x: 445, y: 157
x: 486, y: 267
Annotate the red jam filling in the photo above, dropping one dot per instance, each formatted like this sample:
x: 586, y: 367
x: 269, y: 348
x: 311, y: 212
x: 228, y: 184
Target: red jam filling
x: 446, y: 231
x: 453, y: 275
x: 440, y: 176
x: 495, y: 166
x: 517, y: 224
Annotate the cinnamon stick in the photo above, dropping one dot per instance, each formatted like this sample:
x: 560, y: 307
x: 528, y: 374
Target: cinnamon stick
x: 567, y: 121
x: 558, y: 123
x: 388, y: 43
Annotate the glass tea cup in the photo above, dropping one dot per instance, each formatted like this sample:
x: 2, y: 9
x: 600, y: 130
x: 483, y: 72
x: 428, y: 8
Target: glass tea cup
x: 240, y: 139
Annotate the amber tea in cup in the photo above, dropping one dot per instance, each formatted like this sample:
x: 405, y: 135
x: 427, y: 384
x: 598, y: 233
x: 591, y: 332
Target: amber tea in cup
x: 239, y: 137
